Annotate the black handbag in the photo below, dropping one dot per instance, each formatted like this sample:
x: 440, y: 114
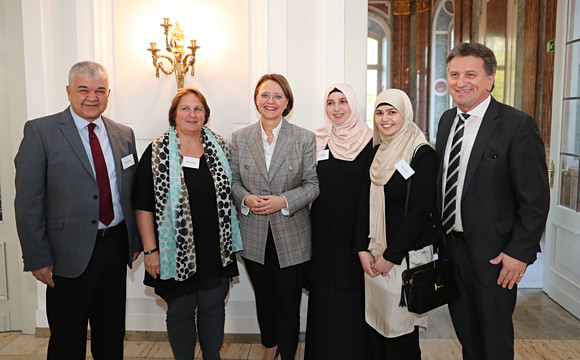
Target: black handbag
x: 428, y: 286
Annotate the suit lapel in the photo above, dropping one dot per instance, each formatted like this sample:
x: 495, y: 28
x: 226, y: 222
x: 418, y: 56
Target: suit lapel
x: 488, y: 124
x: 442, y: 138
x: 284, y: 144
x: 115, y: 142
x: 256, y: 148
x: 71, y: 133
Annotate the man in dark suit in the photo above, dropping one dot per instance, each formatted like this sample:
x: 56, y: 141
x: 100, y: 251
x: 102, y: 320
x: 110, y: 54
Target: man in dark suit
x: 494, y: 201
x: 74, y: 179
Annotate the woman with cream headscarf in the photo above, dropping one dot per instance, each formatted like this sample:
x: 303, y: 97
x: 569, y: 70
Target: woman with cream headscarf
x: 336, y: 299
x: 388, y: 234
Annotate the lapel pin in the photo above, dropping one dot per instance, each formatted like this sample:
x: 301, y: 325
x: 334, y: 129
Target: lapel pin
x: 290, y: 168
x: 246, y: 166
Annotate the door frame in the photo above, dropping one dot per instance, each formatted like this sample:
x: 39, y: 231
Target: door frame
x: 559, y: 283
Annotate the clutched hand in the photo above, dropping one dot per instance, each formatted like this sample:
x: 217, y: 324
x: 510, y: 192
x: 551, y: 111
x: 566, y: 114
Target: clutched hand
x: 382, y: 266
x: 267, y: 204
x: 367, y: 262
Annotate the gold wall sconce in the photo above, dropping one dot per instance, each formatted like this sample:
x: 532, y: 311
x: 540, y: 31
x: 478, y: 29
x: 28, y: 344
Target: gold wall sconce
x: 181, y: 62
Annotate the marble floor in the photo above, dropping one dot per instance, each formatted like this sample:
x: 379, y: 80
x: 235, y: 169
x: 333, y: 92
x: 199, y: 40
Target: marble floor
x: 543, y: 330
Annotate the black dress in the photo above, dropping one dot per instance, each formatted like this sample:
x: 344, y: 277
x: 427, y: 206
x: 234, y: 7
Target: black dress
x: 336, y: 327
x: 412, y: 231
x: 202, y: 201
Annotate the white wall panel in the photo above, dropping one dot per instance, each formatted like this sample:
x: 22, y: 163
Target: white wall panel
x: 312, y: 43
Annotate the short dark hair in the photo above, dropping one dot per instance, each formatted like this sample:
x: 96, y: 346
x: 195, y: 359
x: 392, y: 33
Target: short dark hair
x: 177, y: 98
x: 281, y: 80
x: 478, y: 50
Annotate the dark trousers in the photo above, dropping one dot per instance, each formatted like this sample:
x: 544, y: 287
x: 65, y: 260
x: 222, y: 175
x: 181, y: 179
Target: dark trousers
x: 482, y: 316
x: 181, y: 324
x: 401, y: 347
x: 278, y: 292
x: 96, y: 296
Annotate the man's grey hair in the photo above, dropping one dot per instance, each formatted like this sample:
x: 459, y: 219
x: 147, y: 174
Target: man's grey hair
x: 90, y: 69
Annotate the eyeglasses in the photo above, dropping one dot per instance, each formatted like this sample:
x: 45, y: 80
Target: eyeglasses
x: 267, y: 96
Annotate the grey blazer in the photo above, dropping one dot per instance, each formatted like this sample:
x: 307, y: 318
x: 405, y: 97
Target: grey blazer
x: 292, y: 174
x: 57, y: 206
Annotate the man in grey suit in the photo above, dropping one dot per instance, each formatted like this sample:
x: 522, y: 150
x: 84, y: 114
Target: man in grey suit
x: 74, y: 179
x: 494, y: 200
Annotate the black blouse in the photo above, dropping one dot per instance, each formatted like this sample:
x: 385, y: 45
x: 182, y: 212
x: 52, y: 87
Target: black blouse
x: 202, y: 201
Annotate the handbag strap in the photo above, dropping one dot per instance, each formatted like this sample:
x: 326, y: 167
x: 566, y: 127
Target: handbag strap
x: 407, y: 197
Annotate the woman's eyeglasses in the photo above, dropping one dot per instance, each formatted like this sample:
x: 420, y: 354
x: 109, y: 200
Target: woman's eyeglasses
x: 277, y: 97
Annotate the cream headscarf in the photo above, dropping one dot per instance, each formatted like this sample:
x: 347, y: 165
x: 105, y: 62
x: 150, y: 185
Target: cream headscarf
x: 347, y: 140
x: 392, y: 149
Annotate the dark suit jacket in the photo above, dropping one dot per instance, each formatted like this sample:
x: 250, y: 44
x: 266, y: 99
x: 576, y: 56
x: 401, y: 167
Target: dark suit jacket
x: 505, y: 197
x: 292, y: 174
x: 57, y: 206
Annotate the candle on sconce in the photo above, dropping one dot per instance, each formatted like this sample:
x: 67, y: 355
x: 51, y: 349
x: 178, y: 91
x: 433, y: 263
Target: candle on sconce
x: 175, y: 43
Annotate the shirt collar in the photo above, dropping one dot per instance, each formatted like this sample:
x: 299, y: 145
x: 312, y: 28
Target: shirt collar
x: 82, y: 123
x: 275, y: 132
x: 480, y: 109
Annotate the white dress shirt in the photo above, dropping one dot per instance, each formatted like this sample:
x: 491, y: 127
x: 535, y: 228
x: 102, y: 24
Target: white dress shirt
x: 268, y: 153
x: 101, y: 132
x: 472, y: 125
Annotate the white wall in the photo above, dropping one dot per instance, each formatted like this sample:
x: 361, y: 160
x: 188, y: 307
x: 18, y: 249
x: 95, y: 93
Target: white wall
x: 312, y: 43
x: 17, y: 305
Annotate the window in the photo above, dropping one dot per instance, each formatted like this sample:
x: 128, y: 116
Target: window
x: 374, y: 74
x: 441, y: 43
x: 377, y: 59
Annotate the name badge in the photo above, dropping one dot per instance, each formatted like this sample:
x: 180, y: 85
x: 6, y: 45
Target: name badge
x: 323, y: 155
x: 190, y: 162
x: 128, y: 161
x: 404, y: 169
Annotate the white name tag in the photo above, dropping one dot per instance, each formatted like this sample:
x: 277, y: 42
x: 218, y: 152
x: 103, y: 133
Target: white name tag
x: 323, y: 155
x: 128, y: 161
x: 404, y: 169
x: 190, y: 162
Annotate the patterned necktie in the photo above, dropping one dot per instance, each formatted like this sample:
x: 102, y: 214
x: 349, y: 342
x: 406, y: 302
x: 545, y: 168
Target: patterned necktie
x: 453, y: 175
x: 106, y: 212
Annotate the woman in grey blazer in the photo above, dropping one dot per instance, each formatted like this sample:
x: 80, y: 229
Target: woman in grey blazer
x: 274, y: 180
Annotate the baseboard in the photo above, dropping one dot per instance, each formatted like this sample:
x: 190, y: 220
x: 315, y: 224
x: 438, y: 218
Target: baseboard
x: 162, y: 336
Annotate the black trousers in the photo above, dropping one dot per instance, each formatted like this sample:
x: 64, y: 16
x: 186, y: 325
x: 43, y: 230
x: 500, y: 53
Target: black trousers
x: 97, y: 297
x: 482, y: 316
x: 208, y: 308
x: 278, y: 292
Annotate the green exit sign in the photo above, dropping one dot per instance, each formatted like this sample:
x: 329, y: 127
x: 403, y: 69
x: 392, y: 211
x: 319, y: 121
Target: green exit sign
x: 551, y: 46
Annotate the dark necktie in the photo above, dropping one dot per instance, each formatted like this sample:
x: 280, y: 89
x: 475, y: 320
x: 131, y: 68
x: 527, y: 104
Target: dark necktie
x: 449, y: 201
x: 106, y: 212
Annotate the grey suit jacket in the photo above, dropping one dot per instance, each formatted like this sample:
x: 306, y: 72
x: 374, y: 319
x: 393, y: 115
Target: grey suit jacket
x: 505, y: 197
x: 292, y: 174
x: 57, y: 206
